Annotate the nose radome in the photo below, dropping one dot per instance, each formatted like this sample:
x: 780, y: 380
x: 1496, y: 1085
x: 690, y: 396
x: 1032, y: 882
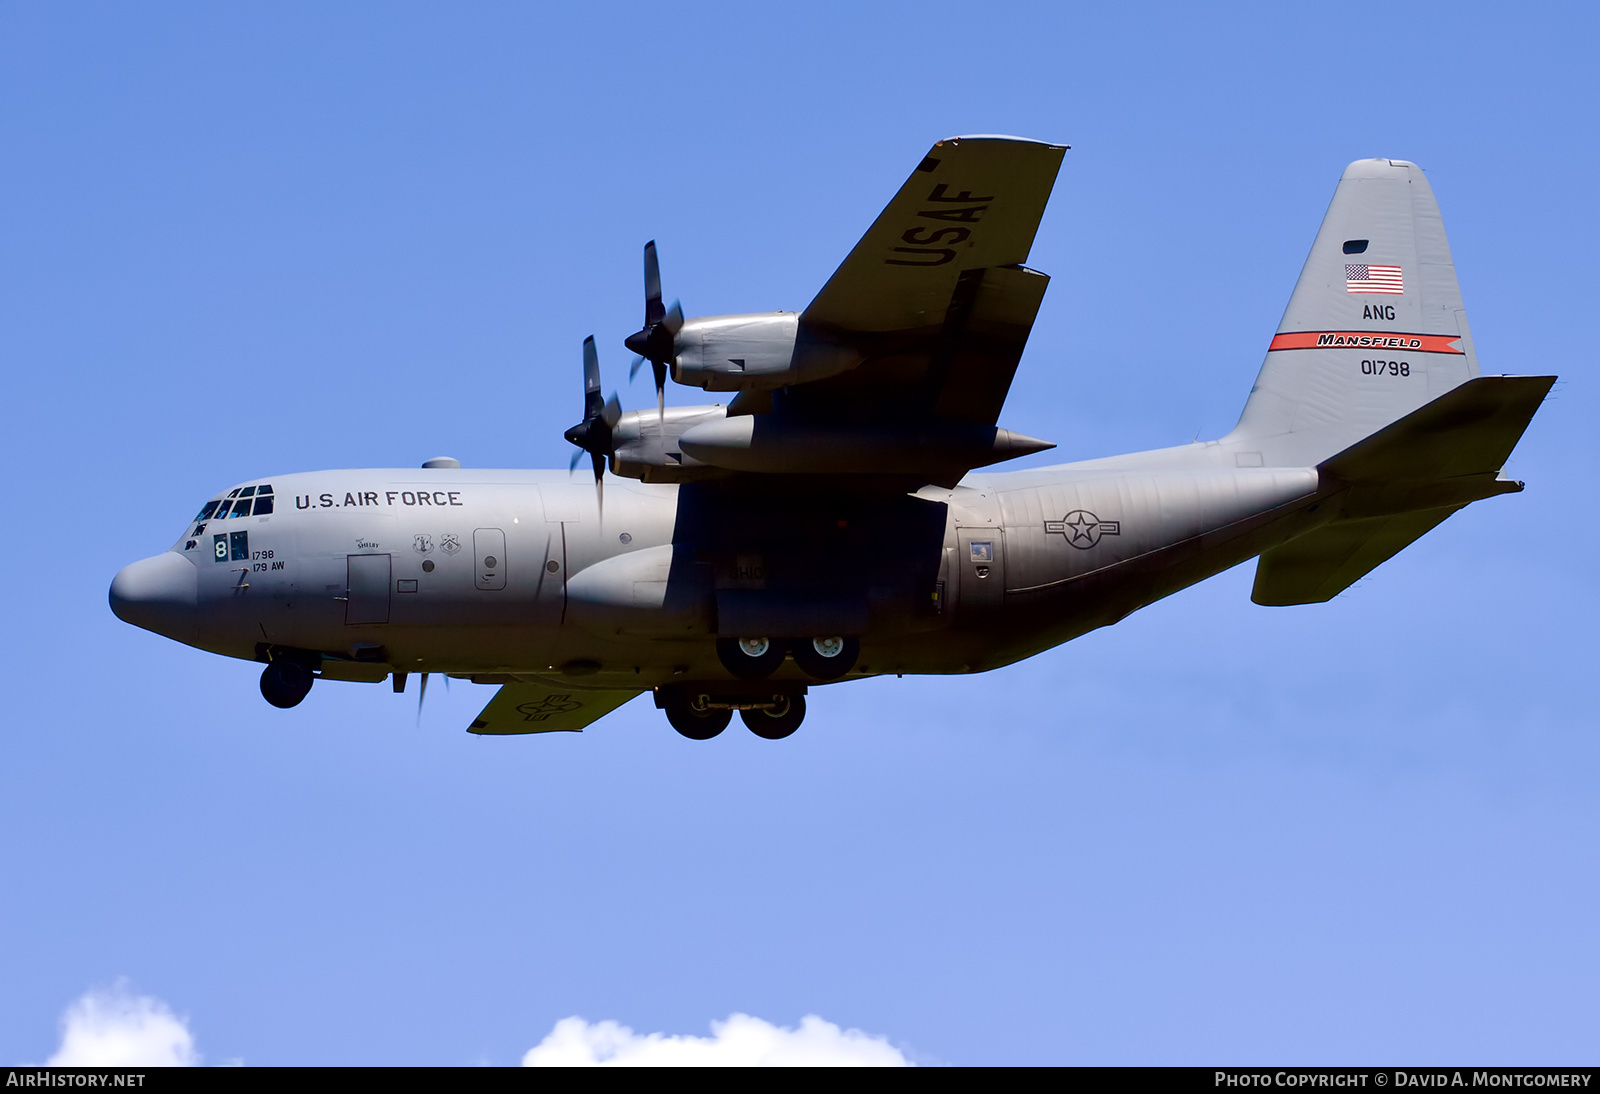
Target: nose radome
x: 158, y: 594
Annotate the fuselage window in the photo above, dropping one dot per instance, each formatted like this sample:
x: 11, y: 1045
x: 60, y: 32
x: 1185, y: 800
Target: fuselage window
x: 263, y: 505
x: 1355, y: 246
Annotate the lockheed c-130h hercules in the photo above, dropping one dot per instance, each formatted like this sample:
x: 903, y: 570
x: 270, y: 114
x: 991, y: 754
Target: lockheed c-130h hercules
x: 829, y: 521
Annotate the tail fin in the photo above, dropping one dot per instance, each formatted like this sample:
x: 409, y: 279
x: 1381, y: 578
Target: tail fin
x: 1375, y: 327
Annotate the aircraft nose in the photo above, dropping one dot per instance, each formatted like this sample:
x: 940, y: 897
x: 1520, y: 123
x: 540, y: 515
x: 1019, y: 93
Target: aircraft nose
x: 158, y: 594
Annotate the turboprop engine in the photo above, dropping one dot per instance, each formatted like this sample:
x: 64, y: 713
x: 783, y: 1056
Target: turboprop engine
x: 753, y: 353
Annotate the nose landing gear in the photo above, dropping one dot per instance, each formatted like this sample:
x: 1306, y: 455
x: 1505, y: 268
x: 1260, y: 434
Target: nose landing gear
x: 284, y: 682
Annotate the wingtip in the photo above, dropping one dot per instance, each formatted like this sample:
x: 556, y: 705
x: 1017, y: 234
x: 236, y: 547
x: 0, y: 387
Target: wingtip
x: 1006, y: 138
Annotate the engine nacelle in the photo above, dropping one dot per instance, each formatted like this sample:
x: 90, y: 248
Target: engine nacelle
x: 753, y: 352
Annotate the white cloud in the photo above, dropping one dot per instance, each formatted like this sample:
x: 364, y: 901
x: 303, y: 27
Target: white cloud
x: 112, y: 1027
x: 741, y: 1041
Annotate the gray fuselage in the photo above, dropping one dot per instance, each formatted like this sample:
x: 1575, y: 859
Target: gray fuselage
x: 490, y: 573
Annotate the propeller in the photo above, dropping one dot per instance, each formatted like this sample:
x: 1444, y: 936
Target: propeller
x: 594, y: 434
x: 422, y: 693
x: 656, y: 340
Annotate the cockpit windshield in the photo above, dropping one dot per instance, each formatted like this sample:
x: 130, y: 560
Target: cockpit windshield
x: 243, y: 502
x: 249, y: 501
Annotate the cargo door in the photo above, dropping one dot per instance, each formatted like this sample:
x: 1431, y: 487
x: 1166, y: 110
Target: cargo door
x: 367, y: 589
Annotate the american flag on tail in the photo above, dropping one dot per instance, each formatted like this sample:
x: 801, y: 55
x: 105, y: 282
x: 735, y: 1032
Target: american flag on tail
x: 1364, y: 277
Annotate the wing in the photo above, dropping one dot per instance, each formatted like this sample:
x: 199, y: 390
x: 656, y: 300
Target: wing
x: 540, y: 708
x: 934, y: 300
x: 972, y: 203
x: 900, y: 366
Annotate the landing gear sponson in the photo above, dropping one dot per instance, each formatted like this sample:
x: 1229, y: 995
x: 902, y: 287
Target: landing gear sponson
x: 701, y: 711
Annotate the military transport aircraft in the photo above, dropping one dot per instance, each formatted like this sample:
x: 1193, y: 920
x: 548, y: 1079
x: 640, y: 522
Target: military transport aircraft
x: 828, y: 522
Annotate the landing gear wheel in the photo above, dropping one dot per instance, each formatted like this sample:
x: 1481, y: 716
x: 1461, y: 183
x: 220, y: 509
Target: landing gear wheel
x: 777, y: 724
x: 750, y: 658
x: 695, y: 725
x: 826, y: 658
x: 284, y: 683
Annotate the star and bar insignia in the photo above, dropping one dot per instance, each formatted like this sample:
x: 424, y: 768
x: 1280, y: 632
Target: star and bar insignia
x: 1082, y: 528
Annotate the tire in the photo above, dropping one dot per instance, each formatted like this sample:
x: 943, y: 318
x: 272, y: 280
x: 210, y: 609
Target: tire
x: 698, y: 727
x: 775, y: 727
x: 825, y: 657
x: 285, y: 682
x: 736, y: 656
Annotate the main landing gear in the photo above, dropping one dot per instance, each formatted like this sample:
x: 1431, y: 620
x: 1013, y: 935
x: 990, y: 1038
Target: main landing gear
x: 284, y: 682
x: 701, y: 715
x: 826, y: 657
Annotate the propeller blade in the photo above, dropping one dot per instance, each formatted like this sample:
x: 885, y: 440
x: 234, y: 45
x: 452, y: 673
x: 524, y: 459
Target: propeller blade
x: 657, y: 340
x: 652, y: 286
x: 422, y: 693
x: 591, y: 379
x: 594, y: 434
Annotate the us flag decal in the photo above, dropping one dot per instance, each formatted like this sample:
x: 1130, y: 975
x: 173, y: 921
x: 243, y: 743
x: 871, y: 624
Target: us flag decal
x: 1361, y: 277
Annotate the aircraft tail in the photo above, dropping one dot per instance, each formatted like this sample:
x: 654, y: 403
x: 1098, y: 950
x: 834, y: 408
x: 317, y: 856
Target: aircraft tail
x: 1372, y: 378
x: 1375, y: 327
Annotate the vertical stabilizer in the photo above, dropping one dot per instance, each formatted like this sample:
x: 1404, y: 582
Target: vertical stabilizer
x: 1375, y: 327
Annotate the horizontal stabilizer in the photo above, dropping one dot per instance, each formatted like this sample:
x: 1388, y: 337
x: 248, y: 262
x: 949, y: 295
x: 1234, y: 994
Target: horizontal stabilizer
x: 1320, y: 565
x: 1469, y: 430
x: 539, y: 708
x: 1401, y: 482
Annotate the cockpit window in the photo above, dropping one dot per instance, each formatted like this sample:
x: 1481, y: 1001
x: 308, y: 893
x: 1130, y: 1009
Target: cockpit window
x: 233, y: 493
x: 263, y: 490
x: 263, y: 504
x: 241, y: 508
x: 248, y: 492
x: 205, y: 513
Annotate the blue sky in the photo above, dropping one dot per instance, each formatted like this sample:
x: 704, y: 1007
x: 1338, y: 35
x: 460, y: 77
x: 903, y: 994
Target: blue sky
x: 244, y: 241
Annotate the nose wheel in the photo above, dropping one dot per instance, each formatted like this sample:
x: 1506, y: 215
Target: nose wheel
x: 285, y: 682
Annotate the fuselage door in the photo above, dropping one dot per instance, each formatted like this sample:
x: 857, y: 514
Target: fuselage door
x: 489, y: 549
x: 981, y: 560
x: 367, y: 594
